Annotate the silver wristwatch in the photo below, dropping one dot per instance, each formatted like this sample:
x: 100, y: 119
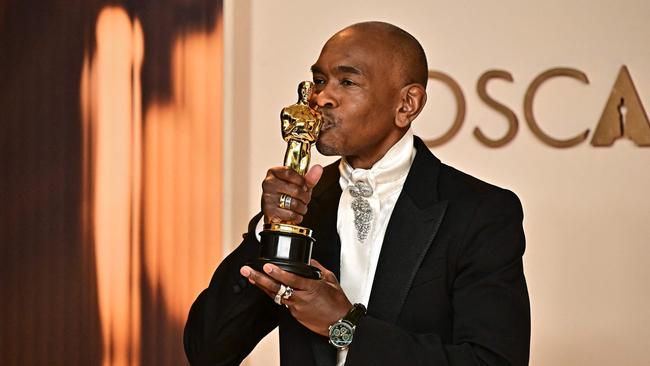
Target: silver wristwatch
x: 342, y: 332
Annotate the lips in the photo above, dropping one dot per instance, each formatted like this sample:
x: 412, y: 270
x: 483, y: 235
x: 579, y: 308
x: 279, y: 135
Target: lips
x: 328, y: 122
x: 326, y: 126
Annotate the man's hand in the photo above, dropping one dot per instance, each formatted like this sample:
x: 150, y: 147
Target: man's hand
x: 284, y: 180
x: 316, y: 304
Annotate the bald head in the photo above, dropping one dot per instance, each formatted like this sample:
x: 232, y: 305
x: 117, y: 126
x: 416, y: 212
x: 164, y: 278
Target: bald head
x: 370, y: 84
x: 406, y: 52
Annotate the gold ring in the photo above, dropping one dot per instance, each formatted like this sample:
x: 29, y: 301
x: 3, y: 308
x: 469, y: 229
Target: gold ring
x: 285, y: 201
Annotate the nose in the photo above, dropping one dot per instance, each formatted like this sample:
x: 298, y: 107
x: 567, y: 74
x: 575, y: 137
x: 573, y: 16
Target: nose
x: 322, y: 97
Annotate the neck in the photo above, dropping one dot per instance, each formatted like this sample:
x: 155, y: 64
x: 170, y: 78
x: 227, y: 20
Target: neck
x: 368, y: 159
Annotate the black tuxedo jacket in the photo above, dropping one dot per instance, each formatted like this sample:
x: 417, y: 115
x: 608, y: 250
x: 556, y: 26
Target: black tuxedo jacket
x: 449, y: 287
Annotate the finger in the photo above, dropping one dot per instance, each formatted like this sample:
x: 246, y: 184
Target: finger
x: 264, y: 282
x: 313, y: 175
x: 289, y: 279
x: 295, y: 205
x: 274, y: 213
x: 275, y: 187
x: 327, y: 274
x: 287, y: 174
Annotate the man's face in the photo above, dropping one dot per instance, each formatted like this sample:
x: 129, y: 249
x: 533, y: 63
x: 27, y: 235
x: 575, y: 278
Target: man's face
x: 358, y: 93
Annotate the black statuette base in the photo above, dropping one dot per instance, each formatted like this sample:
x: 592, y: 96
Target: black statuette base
x: 289, y: 251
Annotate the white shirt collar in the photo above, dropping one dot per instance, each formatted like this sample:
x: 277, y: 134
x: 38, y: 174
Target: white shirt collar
x: 394, y: 165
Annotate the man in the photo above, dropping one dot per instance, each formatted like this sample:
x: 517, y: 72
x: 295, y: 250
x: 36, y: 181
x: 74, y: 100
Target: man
x: 435, y: 255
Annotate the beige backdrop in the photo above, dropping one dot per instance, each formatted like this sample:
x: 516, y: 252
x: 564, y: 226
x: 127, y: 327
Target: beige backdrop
x: 586, y: 208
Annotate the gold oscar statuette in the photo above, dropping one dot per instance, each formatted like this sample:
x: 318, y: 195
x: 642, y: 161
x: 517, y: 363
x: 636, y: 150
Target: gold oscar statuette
x: 286, y: 245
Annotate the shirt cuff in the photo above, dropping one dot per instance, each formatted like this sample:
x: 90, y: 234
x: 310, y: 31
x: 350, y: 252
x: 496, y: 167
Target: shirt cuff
x: 259, y: 227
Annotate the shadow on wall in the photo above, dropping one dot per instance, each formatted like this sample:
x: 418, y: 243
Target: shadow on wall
x: 50, y: 310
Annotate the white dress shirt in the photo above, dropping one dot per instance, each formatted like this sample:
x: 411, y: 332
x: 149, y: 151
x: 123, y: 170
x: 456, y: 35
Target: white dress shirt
x: 359, y: 258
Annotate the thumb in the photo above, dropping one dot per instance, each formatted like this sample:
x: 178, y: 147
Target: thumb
x: 313, y: 175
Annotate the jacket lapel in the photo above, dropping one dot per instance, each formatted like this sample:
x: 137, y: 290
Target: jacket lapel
x: 412, y: 227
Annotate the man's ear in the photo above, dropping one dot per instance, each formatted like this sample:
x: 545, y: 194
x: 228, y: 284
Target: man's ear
x: 413, y: 97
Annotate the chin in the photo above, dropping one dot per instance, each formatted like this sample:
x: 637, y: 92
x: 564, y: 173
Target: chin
x: 326, y: 149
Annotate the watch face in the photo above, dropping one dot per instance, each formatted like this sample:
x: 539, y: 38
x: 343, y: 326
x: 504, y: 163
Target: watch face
x: 341, y: 334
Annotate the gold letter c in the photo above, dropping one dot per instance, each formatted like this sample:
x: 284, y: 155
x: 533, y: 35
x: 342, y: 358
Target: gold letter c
x: 528, y: 107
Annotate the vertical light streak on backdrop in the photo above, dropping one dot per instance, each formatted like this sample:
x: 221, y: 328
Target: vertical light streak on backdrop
x: 113, y: 124
x: 182, y: 189
x: 162, y: 176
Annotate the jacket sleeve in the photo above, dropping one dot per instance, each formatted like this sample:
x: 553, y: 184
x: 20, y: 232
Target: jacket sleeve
x: 231, y: 316
x: 491, y: 312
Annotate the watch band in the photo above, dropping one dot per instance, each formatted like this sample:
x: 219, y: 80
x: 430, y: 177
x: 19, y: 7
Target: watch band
x: 354, y: 315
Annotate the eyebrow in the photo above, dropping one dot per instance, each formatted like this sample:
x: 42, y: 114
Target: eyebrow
x: 341, y: 68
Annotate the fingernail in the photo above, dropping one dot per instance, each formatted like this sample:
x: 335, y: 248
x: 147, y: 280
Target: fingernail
x: 245, y: 271
x: 268, y: 268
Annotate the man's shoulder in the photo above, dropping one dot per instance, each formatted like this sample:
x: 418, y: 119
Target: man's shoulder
x: 462, y: 188
x: 459, y: 187
x: 451, y: 183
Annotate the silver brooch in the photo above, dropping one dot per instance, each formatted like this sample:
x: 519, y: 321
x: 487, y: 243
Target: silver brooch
x: 361, y: 208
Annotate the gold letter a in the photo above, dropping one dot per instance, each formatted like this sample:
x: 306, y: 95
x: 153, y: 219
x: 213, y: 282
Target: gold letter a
x: 623, y: 115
